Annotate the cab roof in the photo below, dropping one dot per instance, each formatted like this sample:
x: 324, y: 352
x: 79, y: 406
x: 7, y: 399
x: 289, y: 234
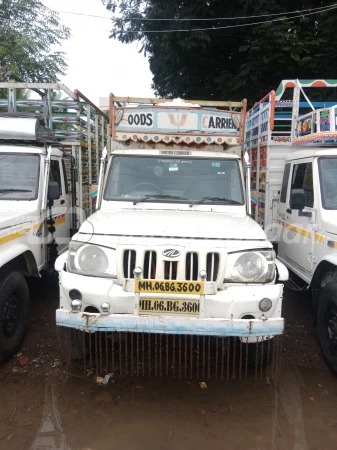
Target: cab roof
x: 28, y: 149
x: 313, y: 152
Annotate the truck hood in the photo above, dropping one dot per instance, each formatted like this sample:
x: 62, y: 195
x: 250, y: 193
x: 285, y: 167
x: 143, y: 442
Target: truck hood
x: 180, y: 224
x: 10, y: 218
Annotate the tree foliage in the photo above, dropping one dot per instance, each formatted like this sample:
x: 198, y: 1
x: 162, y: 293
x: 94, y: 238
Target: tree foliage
x: 29, y: 32
x: 230, y: 63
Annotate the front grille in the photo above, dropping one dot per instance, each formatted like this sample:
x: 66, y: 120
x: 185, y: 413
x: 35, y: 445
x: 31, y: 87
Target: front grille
x: 153, y: 269
x: 212, y: 266
x: 192, y: 266
x: 170, y: 270
x: 150, y: 265
x: 129, y: 263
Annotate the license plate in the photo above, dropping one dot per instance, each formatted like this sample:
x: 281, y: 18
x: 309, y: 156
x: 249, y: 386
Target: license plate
x: 158, y: 306
x: 169, y: 287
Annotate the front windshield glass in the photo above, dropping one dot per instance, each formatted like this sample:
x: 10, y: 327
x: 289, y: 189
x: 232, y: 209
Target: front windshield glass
x: 328, y: 180
x: 19, y: 176
x: 174, y: 180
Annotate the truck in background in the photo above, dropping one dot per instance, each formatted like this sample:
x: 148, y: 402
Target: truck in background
x: 292, y: 148
x: 49, y: 148
x: 170, y: 264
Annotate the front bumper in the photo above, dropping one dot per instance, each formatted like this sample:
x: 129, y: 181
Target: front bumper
x: 222, y: 316
x: 170, y: 325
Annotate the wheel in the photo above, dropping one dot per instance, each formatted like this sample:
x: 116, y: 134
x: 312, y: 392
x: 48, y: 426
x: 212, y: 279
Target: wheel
x: 71, y: 340
x: 14, y: 313
x: 327, y: 324
x: 146, y: 186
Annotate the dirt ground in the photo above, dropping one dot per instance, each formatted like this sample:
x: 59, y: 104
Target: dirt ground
x: 44, y: 408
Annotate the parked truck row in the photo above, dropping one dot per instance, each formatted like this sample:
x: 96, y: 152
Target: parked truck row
x: 171, y: 264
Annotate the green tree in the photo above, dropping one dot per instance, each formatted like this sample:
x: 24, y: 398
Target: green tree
x: 29, y: 34
x: 228, y: 63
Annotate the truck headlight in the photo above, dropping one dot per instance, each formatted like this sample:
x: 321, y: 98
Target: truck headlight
x: 250, y: 267
x: 92, y: 260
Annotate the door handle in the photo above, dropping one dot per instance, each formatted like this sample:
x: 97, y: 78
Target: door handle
x: 62, y: 202
x: 304, y: 213
x: 289, y: 210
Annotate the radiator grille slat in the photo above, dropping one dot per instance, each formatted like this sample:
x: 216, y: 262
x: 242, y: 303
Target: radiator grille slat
x: 170, y: 270
x: 212, y: 266
x: 192, y: 266
x: 129, y: 263
x: 150, y: 265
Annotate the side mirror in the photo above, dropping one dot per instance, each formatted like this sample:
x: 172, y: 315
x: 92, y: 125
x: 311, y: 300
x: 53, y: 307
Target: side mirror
x: 53, y: 190
x: 297, y: 200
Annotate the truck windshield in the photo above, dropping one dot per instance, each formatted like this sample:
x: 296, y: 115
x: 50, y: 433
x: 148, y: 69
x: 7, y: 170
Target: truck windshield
x: 174, y: 180
x: 19, y: 176
x: 328, y: 177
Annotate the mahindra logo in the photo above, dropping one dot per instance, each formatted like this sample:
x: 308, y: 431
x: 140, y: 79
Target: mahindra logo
x: 171, y: 253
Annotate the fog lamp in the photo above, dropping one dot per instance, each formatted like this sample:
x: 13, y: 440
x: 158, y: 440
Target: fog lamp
x: 265, y: 304
x: 75, y: 294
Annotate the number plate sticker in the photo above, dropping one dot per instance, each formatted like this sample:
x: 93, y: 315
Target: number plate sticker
x: 169, y: 287
x: 166, y: 306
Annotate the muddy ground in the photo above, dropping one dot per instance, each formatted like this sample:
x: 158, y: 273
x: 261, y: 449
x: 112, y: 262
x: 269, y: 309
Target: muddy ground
x: 44, y: 408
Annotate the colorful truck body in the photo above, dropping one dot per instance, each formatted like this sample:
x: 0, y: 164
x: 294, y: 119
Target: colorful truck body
x: 292, y: 148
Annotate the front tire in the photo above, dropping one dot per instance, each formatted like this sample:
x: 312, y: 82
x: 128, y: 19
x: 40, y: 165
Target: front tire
x: 327, y: 324
x: 14, y: 313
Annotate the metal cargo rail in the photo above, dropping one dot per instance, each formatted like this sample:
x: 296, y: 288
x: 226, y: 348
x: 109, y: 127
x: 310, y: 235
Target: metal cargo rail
x: 79, y: 125
x: 275, y: 123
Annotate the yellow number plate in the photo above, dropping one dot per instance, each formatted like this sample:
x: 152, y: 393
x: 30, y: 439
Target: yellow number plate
x: 166, y: 306
x: 169, y: 287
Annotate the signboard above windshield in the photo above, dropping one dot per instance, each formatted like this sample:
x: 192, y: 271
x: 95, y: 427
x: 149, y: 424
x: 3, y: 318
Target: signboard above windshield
x: 188, y: 125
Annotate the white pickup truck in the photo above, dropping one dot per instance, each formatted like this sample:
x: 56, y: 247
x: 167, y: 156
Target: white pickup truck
x: 292, y: 147
x: 171, y: 250
x: 43, y: 193
x: 26, y: 190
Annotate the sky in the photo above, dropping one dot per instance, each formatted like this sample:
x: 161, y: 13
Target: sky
x: 98, y: 65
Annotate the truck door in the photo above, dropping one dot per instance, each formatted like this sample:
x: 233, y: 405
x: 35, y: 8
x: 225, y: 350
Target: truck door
x: 296, y: 243
x: 60, y: 210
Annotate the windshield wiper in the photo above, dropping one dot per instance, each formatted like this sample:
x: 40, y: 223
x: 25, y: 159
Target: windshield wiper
x: 159, y: 196
x: 15, y: 190
x: 227, y: 201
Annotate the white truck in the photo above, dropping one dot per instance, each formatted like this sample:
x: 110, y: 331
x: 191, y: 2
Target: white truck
x: 170, y: 255
x: 43, y: 193
x: 292, y: 145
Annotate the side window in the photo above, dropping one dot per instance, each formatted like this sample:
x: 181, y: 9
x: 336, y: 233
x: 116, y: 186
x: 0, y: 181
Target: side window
x: 65, y: 176
x: 55, y: 174
x: 286, y: 173
x: 302, y: 179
